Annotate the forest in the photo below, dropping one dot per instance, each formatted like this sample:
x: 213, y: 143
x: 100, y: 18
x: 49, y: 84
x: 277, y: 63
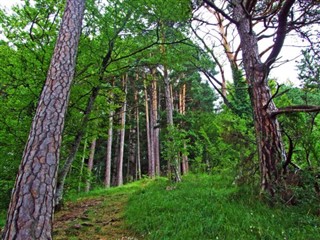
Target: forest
x: 159, y: 118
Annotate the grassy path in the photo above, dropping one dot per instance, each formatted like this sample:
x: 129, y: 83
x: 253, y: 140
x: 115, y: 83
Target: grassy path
x: 95, y: 217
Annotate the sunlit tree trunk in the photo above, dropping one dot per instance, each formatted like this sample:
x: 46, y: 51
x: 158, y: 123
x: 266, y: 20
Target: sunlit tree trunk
x: 31, y: 209
x: 182, y: 109
x: 90, y: 164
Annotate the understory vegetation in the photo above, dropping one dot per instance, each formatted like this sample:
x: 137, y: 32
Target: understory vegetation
x: 202, y: 206
x: 212, y: 207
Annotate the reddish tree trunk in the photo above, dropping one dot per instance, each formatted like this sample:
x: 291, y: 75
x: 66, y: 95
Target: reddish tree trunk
x: 182, y: 109
x: 268, y: 135
x: 30, y: 212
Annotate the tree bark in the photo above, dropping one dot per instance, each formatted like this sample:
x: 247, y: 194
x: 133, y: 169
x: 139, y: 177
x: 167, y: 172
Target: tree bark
x: 90, y: 164
x: 169, y: 109
x: 107, y: 179
x: 82, y: 163
x: 148, y: 130
x: 31, y: 208
x: 268, y: 135
x: 137, y: 115
x: 154, y: 123
x: 182, y: 109
x: 122, y: 135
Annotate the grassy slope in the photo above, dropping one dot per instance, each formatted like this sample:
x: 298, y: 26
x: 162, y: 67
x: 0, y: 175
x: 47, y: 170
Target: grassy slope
x: 207, y: 207
x: 201, y: 207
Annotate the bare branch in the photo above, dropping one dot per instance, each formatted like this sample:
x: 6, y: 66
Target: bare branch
x: 281, y: 32
x: 219, y: 10
x: 292, y: 109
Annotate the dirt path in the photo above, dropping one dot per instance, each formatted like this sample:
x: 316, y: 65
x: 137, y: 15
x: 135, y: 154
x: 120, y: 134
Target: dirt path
x: 94, y: 219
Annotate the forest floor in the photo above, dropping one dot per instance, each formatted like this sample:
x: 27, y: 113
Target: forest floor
x: 200, y: 207
x: 94, y: 218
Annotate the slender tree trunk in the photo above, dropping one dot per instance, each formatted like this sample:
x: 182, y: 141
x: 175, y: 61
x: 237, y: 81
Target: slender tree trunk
x: 182, y: 108
x: 90, y: 164
x: 268, y: 135
x: 116, y: 153
x: 154, y: 124
x: 152, y: 136
x: 148, y: 130
x: 122, y: 135
x: 31, y: 208
x: 131, y: 163
x: 82, y: 164
x: 74, y: 149
x: 107, y: 179
x: 137, y: 115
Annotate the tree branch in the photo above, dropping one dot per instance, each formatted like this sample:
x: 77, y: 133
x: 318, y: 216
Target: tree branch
x: 281, y: 32
x: 219, y: 10
x: 292, y: 109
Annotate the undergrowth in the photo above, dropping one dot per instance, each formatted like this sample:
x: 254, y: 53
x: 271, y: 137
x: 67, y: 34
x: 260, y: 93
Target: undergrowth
x: 210, y: 207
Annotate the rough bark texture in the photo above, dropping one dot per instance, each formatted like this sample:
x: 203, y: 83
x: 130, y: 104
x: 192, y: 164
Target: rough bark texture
x: 31, y: 208
x: 269, y: 140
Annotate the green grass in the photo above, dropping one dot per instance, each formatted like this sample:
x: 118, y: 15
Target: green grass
x: 210, y: 207
x: 3, y: 216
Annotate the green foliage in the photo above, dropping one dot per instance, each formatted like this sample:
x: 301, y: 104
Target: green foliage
x: 174, y: 145
x: 301, y: 128
x: 309, y: 68
x: 209, y: 207
x: 221, y: 141
x: 239, y: 94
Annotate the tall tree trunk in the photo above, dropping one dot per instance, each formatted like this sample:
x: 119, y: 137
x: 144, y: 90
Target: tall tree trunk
x: 90, y: 164
x: 131, y: 163
x: 122, y: 135
x: 31, y: 208
x: 137, y: 115
x: 154, y: 123
x: 182, y: 109
x: 148, y: 130
x: 107, y: 178
x: 268, y: 135
x: 82, y: 163
x: 169, y: 109
x: 74, y: 149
